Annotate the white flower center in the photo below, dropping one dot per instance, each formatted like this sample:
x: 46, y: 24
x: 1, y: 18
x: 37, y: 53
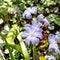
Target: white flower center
x: 31, y: 33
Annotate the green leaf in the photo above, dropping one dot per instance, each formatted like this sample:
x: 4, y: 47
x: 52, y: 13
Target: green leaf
x: 1, y: 2
x: 16, y: 46
x: 22, y: 7
x: 54, y: 18
x: 43, y: 46
x: 51, y: 18
x: 23, y: 47
x: 12, y: 34
x: 57, y: 22
x: 49, y: 2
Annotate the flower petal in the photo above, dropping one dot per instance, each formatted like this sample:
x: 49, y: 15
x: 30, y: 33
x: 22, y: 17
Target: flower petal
x: 56, y: 51
x: 28, y: 16
x: 25, y: 12
x: 24, y: 34
x: 28, y: 27
x: 46, y: 23
x: 34, y: 40
x: 40, y: 18
x: 27, y: 40
x: 38, y: 34
x: 34, y: 10
x: 52, y: 38
x: 36, y: 24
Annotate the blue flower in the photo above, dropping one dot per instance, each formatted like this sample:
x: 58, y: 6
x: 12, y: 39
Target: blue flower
x: 54, y: 47
x: 52, y: 39
x: 44, y: 20
x: 40, y: 18
x: 32, y: 33
x: 27, y: 13
x: 34, y: 10
x: 50, y: 57
x: 53, y: 43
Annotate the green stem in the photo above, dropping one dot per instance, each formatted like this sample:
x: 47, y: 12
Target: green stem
x: 10, y: 52
x: 33, y: 53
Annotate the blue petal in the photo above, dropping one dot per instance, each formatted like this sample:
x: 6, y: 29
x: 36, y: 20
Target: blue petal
x: 28, y: 28
x: 46, y: 23
x: 56, y: 51
x: 34, y: 40
x: 24, y: 34
x: 28, y: 40
x: 24, y: 14
x: 52, y: 38
x: 34, y: 10
x: 53, y: 46
x: 52, y: 41
x: 36, y: 24
x: 40, y: 18
x: 39, y: 30
x: 38, y: 34
x: 28, y: 16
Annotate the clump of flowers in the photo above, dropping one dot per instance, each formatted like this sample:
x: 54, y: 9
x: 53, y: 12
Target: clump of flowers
x: 36, y: 31
x: 53, y: 43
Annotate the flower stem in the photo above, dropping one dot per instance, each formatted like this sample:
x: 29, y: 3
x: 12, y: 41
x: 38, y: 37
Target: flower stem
x: 33, y: 53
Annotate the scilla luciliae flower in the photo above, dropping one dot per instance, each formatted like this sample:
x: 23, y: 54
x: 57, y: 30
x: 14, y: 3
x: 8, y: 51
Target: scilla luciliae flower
x: 32, y: 33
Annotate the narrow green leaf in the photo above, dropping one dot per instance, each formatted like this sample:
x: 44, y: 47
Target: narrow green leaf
x: 43, y: 46
x: 16, y: 46
x: 23, y: 47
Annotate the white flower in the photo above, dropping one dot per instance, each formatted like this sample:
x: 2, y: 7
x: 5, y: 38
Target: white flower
x: 50, y: 57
